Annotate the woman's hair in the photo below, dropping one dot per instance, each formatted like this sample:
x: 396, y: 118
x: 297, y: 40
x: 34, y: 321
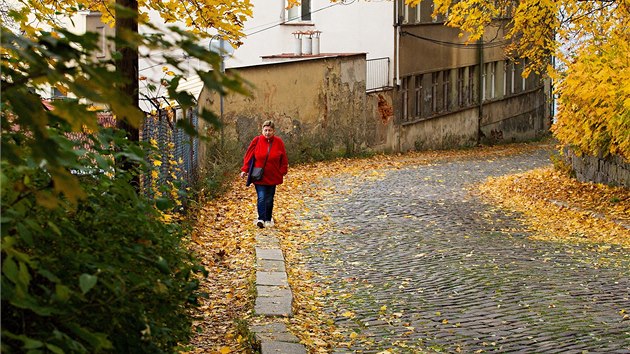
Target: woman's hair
x: 269, y: 123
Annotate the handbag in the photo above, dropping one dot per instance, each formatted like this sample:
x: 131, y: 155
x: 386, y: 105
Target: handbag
x: 256, y: 173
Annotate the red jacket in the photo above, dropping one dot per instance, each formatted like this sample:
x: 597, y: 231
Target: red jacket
x: 277, y: 163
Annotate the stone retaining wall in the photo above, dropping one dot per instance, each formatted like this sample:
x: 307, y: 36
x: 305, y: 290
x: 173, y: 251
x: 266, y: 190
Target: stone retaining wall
x: 611, y: 170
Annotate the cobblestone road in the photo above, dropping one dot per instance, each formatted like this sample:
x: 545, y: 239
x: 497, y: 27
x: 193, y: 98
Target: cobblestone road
x: 417, y: 261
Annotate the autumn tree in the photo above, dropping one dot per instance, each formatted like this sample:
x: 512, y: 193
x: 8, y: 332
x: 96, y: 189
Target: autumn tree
x: 589, y: 41
x: 201, y: 18
x: 73, y: 280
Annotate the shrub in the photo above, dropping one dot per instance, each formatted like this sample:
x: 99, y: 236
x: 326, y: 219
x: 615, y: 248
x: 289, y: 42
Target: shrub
x: 106, y: 274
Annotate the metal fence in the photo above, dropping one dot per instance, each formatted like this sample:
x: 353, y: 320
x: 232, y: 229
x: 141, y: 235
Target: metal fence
x: 377, y: 77
x: 176, y: 150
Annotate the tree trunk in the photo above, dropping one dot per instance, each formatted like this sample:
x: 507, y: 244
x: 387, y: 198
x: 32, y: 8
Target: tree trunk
x: 127, y: 23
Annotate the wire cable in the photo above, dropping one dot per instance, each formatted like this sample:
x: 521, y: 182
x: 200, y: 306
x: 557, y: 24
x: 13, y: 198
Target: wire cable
x: 280, y: 23
x: 458, y: 45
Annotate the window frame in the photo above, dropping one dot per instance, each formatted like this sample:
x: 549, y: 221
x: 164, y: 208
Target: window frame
x: 303, y: 11
x: 418, y: 95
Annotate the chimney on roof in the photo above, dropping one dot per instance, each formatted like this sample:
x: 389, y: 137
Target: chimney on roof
x: 297, y: 43
x: 315, y: 41
x: 307, y: 44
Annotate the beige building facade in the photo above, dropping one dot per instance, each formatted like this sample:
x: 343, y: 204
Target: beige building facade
x: 451, y: 93
x: 319, y: 105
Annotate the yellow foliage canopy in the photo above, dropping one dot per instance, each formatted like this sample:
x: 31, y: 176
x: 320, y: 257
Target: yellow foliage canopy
x: 225, y: 16
x: 594, y: 114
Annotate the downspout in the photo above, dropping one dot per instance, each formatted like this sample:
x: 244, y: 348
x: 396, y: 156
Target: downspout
x: 397, y: 45
x: 480, y: 89
x: 397, y: 67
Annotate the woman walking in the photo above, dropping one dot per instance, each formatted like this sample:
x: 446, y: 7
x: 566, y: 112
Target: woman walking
x: 268, y: 153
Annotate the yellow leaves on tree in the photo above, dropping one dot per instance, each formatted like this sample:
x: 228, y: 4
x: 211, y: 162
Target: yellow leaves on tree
x: 594, y: 114
x: 225, y: 16
x: 532, y: 32
x: 470, y: 16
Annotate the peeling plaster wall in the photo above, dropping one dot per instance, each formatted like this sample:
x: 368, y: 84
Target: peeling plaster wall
x: 318, y: 105
x: 380, y: 114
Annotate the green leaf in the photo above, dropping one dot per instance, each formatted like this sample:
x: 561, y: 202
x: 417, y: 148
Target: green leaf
x: 163, y: 203
x: 24, y: 275
x: 97, y: 340
x: 62, y: 292
x: 54, y: 228
x: 25, y: 234
x: 31, y: 343
x: 55, y: 349
x: 10, y: 269
x: 76, y: 117
x: 48, y: 275
x: 162, y: 265
x: 87, y: 282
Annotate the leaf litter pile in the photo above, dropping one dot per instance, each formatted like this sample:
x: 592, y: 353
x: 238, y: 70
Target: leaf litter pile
x: 555, y: 208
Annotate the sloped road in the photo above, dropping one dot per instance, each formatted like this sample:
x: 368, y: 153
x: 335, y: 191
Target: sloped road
x: 419, y: 262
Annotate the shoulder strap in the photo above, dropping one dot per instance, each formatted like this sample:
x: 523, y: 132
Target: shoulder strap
x: 268, y: 151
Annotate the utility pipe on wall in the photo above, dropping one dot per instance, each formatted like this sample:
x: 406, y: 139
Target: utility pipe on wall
x: 397, y: 45
x: 480, y: 89
x: 397, y: 69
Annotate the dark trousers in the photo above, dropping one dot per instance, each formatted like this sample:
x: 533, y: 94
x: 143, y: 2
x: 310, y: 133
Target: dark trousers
x: 265, y: 201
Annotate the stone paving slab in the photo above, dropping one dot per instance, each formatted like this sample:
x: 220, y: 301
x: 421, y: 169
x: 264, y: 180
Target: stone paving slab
x: 267, y: 241
x: 276, y: 331
x: 265, y: 265
x: 273, y: 306
x: 272, y: 278
x: 274, y: 254
x: 274, y: 291
x: 282, y: 348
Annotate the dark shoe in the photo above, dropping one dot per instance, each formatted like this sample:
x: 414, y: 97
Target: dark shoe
x: 260, y: 224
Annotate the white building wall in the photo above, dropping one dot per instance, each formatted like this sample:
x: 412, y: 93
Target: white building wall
x: 346, y: 26
x: 349, y: 26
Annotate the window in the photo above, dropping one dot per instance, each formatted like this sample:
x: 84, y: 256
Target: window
x: 523, y: 80
x: 408, y: 13
x: 472, y: 70
x: 402, y: 15
x: 418, y: 96
x: 300, y: 12
x: 426, y: 9
x: 416, y: 13
x: 56, y: 93
x: 405, y: 98
x: 435, y: 81
x: 461, y: 87
x: 506, y: 87
x: 102, y: 41
x: 446, y: 90
x: 491, y: 79
x: 512, y: 75
x: 484, y: 84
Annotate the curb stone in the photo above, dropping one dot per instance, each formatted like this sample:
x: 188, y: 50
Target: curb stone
x: 274, y: 299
